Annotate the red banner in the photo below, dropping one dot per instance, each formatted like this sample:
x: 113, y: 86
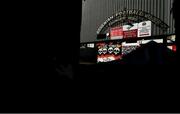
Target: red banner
x: 130, y: 34
x: 116, y: 33
x: 108, y: 51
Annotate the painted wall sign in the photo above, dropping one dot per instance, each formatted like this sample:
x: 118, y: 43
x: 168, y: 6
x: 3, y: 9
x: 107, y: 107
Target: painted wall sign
x: 144, y: 29
x: 133, y: 15
x: 116, y: 33
x: 130, y: 31
x: 108, y: 52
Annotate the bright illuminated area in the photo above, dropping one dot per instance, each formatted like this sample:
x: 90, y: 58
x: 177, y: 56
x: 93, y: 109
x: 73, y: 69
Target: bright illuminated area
x: 127, y: 32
